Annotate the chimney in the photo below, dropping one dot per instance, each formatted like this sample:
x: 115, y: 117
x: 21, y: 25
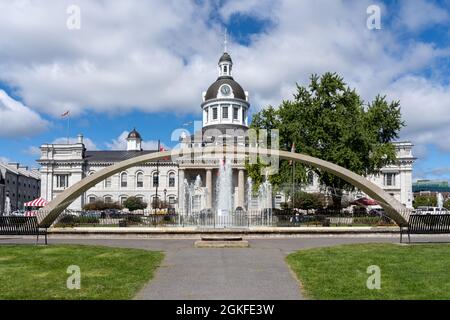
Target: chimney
x: 80, y: 139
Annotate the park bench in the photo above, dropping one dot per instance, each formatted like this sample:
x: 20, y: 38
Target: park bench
x: 426, y: 224
x: 21, y: 226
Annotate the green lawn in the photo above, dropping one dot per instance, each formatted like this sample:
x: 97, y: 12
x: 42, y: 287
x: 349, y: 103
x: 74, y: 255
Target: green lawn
x: 40, y: 272
x: 407, y: 271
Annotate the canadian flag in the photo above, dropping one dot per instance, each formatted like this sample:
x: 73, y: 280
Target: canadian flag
x: 161, y: 149
x: 65, y: 114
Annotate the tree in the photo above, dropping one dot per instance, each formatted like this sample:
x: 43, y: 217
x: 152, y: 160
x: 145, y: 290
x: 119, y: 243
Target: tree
x: 425, y: 201
x: 134, y: 203
x: 447, y: 204
x: 330, y: 121
x: 309, y: 201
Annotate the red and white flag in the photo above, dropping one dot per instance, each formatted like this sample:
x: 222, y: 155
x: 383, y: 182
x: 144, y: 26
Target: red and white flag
x: 65, y: 114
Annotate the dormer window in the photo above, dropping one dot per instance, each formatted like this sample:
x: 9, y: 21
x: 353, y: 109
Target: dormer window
x: 225, y: 70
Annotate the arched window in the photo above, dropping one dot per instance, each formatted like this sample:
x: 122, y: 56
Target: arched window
x: 155, y: 180
x: 172, y: 179
x: 139, y: 180
x: 124, y: 180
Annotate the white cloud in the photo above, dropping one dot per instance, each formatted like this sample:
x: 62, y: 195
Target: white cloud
x: 5, y: 160
x: 425, y: 110
x: 88, y: 143
x: 160, y: 55
x: 417, y: 14
x: 32, y: 151
x: 17, y: 119
x: 120, y: 143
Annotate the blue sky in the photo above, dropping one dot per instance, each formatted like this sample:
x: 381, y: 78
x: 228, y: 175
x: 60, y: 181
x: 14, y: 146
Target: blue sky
x: 146, y: 65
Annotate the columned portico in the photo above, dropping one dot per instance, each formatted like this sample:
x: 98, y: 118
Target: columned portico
x: 209, y: 188
x: 241, y: 188
x: 181, y: 189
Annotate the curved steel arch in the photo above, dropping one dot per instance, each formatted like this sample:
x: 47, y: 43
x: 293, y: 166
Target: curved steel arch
x: 393, y: 208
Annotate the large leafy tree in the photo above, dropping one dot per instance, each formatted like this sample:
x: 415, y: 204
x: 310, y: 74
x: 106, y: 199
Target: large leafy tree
x: 330, y: 121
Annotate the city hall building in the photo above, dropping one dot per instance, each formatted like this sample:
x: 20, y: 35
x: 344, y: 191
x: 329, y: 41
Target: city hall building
x: 190, y: 184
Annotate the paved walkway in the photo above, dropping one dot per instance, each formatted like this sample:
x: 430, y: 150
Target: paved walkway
x: 258, y: 272
x: 223, y: 274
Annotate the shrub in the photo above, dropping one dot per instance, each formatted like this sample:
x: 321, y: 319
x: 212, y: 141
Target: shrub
x: 101, y: 205
x: 425, y: 201
x: 133, y: 203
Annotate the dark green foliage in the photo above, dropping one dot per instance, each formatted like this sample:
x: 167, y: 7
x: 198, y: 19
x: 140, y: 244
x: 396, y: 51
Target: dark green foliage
x: 133, y: 204
x: 425, y: 201
x: 330, y: 121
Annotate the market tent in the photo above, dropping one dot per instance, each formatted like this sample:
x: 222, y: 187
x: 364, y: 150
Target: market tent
x: 39, y: 202
x: 364, y: 202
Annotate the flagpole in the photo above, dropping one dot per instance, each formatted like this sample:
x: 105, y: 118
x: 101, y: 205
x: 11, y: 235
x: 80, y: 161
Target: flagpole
x: 68, y: 129
x: 157, y: 173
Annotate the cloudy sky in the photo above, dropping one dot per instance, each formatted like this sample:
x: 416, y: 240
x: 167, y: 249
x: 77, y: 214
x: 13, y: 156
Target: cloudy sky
x: 145, y: 65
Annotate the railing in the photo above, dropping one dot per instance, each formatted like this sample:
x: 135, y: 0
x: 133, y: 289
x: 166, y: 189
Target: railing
x: 265, y: 218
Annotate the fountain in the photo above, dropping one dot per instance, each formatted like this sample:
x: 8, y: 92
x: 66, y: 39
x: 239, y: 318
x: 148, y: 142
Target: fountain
x: 224, y: 192
x: 439, y: 200
x: 195, y: 196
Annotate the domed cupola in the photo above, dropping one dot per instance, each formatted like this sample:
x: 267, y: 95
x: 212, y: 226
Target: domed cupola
x: 225, y: 103
x: 134, y: 141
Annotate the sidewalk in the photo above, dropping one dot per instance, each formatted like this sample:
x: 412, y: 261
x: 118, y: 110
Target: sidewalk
x: 225, y: 274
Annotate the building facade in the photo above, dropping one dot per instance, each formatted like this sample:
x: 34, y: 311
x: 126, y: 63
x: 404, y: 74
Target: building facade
x: 186, y: 183
x: 18, y: 184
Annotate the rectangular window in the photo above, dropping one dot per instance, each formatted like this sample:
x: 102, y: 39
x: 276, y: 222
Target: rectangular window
x: 389, y: 179
x: 214, y: 113
x: 207, y: 115
x: 108, y: 182
x: 243, y: 115
x: 108, y: 200
x: 172, y: 180
x: 155, y: 180
x: 171, y: 200
x: 62, y: 181
x: 123, y: 199
x: 123, y: 180
x: 235, y: 113
x: 140, y: 180
x: 92, y: 199
x: 225, y: 112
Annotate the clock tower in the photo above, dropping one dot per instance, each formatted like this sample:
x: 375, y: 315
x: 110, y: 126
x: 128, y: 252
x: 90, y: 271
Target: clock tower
x: 225, y: 104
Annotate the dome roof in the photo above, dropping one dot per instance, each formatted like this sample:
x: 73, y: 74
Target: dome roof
x: 134, y: 135
x: 225, y: 57
x: 213, y: 90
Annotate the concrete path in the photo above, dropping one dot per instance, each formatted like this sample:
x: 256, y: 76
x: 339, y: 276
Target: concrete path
x: 225, y: 274
x: 258, y: 272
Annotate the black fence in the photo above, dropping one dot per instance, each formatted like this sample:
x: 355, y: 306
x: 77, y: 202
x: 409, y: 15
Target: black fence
x: 264, y: 218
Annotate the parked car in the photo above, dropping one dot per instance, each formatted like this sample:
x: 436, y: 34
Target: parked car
x: 377, y: 213
x: 431, y: 210
x: 113, y: 213
x: 91, y: 214
x: 18, y: 213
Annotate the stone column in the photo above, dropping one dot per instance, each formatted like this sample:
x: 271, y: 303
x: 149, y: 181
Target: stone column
x: 181, y: 190
x: 241, y: 188
x: 209, y: 188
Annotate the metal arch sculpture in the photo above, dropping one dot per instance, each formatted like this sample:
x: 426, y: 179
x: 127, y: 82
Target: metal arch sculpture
x: 393, y: 208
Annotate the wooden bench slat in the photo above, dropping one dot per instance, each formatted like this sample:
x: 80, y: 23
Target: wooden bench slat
x: 427, y: 224
x: 21, y: 226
